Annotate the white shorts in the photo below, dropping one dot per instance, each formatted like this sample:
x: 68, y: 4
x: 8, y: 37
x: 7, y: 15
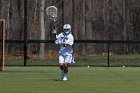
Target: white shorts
x: 66, y: 58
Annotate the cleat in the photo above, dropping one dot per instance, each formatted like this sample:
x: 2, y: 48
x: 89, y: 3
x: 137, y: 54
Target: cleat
x: 65, y: 78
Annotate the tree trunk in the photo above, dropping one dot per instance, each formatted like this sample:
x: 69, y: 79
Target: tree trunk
x: 88, y: 25
x: 83, y: 26
x: 124, y: 21
x: 67, y: 11
x: 42, y: 29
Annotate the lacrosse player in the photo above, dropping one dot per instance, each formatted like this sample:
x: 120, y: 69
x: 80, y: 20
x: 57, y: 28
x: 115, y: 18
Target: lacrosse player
x: 65, y: 40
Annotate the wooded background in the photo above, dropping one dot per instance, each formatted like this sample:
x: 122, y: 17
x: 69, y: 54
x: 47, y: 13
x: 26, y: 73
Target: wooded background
x: 90, y: 19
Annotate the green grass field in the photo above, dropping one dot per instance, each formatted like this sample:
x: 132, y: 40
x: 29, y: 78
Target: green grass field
x: 80, y: 80
x: 95, y: 60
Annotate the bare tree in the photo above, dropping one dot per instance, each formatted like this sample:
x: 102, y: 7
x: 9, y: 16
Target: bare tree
x: 124, y: 20
x: 33, y: 32
x: 42, y: 30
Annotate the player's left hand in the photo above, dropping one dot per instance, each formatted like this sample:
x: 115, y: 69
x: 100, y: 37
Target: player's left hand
x: 64, y: 43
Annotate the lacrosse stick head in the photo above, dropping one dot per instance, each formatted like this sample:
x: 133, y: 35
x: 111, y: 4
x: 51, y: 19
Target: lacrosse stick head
x: 52, y: 12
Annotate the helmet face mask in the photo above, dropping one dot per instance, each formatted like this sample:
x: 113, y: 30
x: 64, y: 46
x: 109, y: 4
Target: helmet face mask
x: 66, y: 30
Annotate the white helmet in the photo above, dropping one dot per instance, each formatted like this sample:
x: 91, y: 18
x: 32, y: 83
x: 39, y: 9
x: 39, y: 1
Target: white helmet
x: 67, y: 27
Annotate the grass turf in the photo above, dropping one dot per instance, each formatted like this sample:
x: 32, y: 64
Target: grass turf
x: 80, y: 80
x: 93, y: 60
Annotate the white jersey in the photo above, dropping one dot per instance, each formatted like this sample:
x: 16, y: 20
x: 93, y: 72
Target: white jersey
x: 65, y: 50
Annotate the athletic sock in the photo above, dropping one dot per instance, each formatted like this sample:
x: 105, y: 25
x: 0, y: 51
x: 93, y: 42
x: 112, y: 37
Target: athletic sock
x: 62, y: 74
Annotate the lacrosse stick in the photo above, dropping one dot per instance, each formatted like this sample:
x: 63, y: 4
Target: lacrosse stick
x: 52, y: 14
